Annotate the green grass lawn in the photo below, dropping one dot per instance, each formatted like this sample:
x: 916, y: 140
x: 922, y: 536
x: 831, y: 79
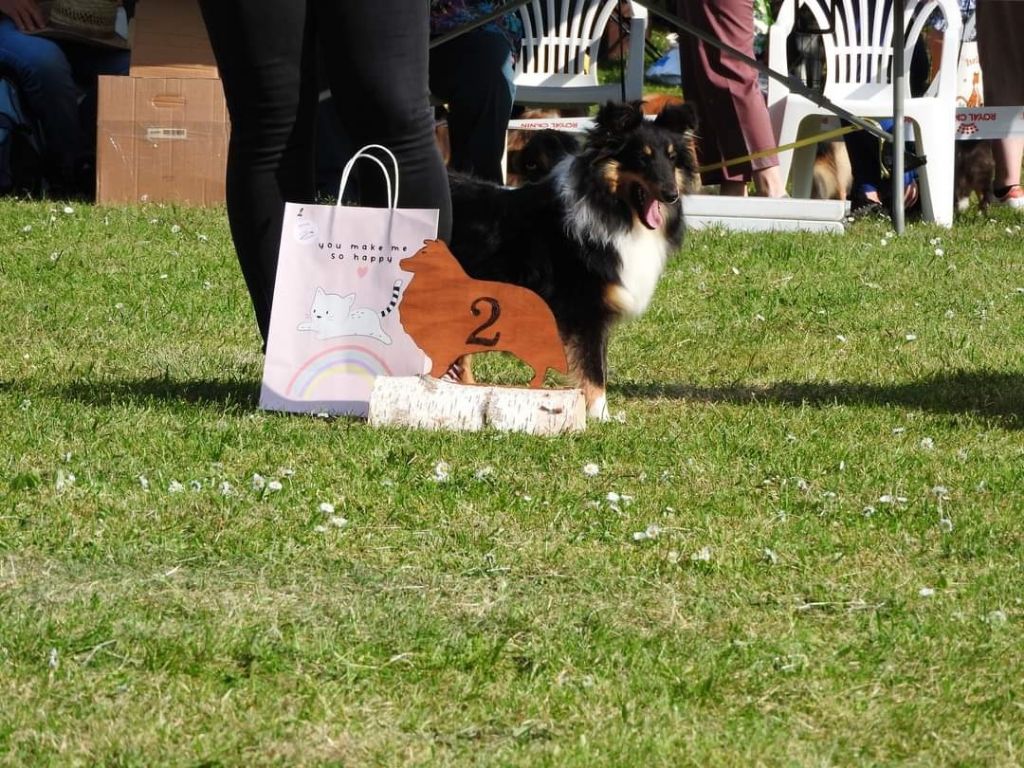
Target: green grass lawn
x: 803, y: 545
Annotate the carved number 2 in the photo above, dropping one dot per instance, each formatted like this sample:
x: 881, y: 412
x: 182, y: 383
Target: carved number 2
x: 475, y: 337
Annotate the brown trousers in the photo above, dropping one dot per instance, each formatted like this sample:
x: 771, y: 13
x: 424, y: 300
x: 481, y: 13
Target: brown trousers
x: 1000, y: 27
x: 733, y: 116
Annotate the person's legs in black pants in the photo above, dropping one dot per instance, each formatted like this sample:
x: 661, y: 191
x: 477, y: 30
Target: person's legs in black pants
x: 266, y: 56
x: 375, y: 57
x: 471, y: 73
x: 266, y: 53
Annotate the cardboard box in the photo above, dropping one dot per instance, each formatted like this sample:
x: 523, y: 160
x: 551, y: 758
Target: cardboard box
x: 169, y: 40
x: 161, y: 140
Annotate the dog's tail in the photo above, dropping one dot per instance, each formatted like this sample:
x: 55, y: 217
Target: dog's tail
x: 395, y: 292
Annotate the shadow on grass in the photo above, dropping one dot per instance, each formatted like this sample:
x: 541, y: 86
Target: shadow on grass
x: 225, y: 394
x: 996, y: 396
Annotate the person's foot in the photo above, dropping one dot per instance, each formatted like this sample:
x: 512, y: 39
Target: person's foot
x: 1013, y: 197
x: 867, y: 207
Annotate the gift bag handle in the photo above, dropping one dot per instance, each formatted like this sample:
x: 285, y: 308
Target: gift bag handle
x: 362, y: 153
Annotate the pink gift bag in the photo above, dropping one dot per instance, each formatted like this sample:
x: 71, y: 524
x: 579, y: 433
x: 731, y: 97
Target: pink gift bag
x: 334, y: 326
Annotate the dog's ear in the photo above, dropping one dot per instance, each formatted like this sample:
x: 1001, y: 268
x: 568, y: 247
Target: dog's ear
x: 678, y: 118
x: 615, y: 118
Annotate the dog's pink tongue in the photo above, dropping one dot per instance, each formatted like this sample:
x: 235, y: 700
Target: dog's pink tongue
x: 652, y: 214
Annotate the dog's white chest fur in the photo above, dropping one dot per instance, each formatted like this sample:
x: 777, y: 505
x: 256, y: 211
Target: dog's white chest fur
x: 644, y: 253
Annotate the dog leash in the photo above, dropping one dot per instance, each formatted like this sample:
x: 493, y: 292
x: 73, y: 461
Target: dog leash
x: 826, y: 136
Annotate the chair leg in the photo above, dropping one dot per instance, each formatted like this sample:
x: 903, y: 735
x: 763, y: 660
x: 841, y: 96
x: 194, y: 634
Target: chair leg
x: 797, y: 163
x: 936, y: 176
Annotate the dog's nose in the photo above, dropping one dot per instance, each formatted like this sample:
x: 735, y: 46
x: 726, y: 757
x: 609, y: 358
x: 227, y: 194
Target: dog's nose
x: 669, y: 195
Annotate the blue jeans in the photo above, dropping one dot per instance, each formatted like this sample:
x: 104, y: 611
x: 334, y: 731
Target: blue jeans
x: 58, y: 83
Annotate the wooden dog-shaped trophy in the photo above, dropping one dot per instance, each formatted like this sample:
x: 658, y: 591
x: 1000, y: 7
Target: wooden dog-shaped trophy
x: 449, y: 315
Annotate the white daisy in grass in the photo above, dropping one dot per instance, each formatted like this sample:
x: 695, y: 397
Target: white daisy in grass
x: 175, y: 229
x: 326, y: 507
x: 27, y: 228
x: 286, y: 472
x: 143, y: 482
x: 673, y: 556
x: 911, y: 337
x: 484, y: 472
x: 226, y: 489
x: 259, y: 482
x: 996, y: 618
x: 591, y: 470
x: 926, y: 592
x: 770, y: 556
x: 927, y: 444
x: 941, y: 491
x: 195, y: 485
x: 702, y: 555
x: 899, y: 430
x: 68, y: 210
x: 338, y: 522
x: 888, y: 498
x: 939, y: 252
x: 64, y: 480
x: 945, y: 523
x: 274, y: 486
x: 868, y: 511
x: 175, y: 487
x: 321, y: 529
x: 442, y: 471
x: 840, y: 338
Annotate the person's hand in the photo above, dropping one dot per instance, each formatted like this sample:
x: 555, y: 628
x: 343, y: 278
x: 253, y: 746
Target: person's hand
x: 26, y: 14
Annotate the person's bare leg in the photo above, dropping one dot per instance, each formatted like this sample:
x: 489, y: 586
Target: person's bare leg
x: 1007, y: 154
x: 768, y: 182
x: 733, y: 188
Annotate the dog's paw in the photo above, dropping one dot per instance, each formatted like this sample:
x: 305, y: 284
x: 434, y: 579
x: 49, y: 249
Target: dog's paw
x: 598, y: 409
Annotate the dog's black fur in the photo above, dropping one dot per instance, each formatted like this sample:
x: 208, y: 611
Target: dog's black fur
x: 592, y: 237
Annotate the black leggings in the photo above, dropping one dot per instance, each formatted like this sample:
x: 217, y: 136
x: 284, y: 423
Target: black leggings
x: 376, y: 64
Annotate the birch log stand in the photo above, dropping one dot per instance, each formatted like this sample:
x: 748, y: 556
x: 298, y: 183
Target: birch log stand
x: 449, y: 314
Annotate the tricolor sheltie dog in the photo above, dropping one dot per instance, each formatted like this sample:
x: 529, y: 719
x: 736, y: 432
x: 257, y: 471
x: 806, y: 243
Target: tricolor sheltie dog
x: 593, y: 237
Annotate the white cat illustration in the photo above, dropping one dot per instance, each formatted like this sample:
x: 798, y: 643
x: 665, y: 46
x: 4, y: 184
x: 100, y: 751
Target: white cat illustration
x: 332, y: 315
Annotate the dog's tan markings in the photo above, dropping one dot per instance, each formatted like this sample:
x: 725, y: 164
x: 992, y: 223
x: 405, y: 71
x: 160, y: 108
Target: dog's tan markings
x: 610, y: 172
x: 687, y: 183
x: 618, y: 299
x: 625, y: 178
x: 593, y: 393
x: 648, y: 151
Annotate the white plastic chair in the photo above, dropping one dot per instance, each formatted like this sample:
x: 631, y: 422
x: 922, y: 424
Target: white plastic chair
x: 558, y: 60
x: 858, y: 78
